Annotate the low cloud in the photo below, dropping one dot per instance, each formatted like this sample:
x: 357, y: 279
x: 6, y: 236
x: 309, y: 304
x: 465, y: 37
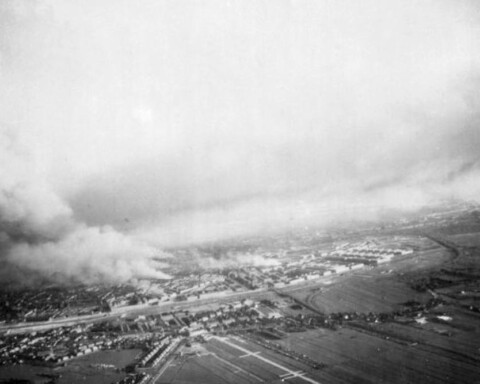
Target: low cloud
x: 129, y: 128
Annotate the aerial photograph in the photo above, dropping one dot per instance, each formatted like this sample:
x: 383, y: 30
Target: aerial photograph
x: 239, y: 191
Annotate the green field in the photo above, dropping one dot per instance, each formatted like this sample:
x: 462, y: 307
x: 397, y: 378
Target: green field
x: 359, y: 357
x: 227, y: 360
x: 77, y: 371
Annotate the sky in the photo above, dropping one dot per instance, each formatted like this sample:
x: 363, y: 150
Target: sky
x: 127, y: 127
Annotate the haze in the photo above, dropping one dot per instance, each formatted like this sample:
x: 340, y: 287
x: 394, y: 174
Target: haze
x: 130, y: 126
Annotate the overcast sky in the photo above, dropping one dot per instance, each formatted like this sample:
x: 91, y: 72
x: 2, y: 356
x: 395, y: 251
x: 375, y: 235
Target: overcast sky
x: 128, y: 126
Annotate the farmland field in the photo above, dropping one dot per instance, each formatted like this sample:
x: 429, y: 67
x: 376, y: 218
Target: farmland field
x: 361, y: 294
x: 468, y: 239
x: 381, y: 289
x: 360, y: 357
x: 24, y: 372
x: 234, y: 360
x: 439, y: 345
x: 81, y: 370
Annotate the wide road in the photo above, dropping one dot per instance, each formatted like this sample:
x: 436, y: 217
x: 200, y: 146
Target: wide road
x: 149, y: 309
x: 162, y: 307
x: 134, y: 309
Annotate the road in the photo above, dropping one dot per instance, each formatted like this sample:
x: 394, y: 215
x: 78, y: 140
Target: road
x: 144, y: 309
x: 156, y: 309
x: 164, y: 367
x: 137, y: 309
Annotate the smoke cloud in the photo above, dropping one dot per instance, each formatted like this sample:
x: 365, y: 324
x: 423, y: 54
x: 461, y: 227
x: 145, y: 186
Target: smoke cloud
x: 39, y: 234
x: 127, y: 127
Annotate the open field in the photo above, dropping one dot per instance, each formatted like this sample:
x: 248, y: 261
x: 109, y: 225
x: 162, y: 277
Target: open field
x: 382, y: 289
x: 467, y: 239
x: 363, y: 295
x: 375, y: 353
x: 361, y: 357
x: 442, y: 347
x: 234, y: 360
x: 25, y: 372
x: 82, y: 370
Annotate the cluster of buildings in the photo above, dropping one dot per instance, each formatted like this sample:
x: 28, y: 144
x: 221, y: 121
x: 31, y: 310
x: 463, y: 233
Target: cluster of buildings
x: 297, y: 265
x: 225, y: 316
x: 153, y: 332
x: 307, y: 266
x: 229, y: 316
x: 159, y: 351
x: 60, y: 345
x: 62, y: 302
x: 196, y: 285
x: 160, y: 335
x: 364, y: 254
x: 135, y: 378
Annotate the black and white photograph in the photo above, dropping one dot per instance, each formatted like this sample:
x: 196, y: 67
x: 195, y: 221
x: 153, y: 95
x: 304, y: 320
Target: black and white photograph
x: 239, y: 191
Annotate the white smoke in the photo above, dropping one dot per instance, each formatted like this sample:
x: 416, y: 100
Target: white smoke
x: 39, y: 233
x: 90, y: 255
x: 162, y: 123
